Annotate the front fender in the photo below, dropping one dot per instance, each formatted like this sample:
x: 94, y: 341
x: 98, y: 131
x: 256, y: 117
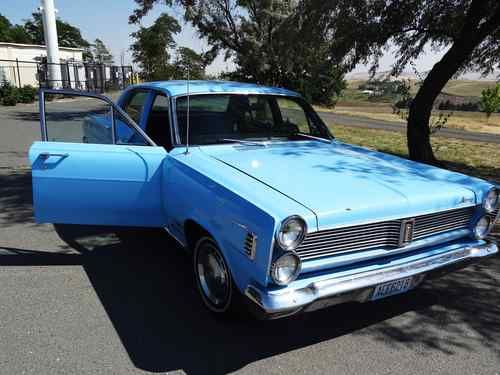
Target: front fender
x: 229, y: 205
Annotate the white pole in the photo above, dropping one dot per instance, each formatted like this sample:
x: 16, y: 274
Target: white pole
x: 50, y: 35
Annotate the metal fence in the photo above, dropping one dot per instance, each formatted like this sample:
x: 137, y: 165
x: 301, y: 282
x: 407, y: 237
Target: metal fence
x: 97, y: 78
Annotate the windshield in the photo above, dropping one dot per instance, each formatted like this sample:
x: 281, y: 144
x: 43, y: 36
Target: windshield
x: 220, y: 118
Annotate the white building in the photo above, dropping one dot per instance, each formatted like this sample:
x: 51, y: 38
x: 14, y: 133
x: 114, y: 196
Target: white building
x: 24, y: 70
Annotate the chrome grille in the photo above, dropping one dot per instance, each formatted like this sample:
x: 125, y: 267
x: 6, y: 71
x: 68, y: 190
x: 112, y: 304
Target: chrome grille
x: 385, y: 235
x: 494, y: 215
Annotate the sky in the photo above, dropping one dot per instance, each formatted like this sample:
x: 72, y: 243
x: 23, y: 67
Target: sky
x: 108, y: 21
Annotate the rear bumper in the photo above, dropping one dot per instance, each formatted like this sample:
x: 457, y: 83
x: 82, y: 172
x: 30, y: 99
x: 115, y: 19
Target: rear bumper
x: 356, y: 286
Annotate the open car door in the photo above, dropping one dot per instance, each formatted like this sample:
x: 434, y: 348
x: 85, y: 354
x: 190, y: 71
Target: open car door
x: 94, y: 165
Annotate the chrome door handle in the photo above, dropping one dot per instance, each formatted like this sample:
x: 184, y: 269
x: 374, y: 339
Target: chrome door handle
x: 46, y: 155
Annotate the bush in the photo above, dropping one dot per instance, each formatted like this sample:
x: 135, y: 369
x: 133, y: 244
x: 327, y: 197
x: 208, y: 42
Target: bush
x: 27, y: 94
x: 450, y: 106
x: 8, y: 94
x: 9, y: 100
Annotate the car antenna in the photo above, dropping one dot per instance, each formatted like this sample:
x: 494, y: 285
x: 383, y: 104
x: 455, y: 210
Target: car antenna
x: 187, y: 114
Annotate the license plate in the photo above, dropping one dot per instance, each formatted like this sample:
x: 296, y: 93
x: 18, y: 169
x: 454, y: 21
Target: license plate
x: 392, y: 288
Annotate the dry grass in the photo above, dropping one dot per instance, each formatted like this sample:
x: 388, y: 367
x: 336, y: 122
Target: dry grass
x: 469, y: 121
x: 472, y: 158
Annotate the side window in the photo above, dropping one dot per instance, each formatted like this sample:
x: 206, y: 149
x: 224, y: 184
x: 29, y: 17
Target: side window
x: 293, y: 113
x: 135, y: 105
x: 85, y: 119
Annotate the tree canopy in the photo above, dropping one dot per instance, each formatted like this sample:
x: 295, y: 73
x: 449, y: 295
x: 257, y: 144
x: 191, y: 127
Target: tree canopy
x: 100, y: 53
x: 188, y: 60
x: 263, y: 42
x: 151, y: 47
x: 32, y: 33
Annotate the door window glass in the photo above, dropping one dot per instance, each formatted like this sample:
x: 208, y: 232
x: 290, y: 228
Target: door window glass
x: 86, y: 119
x: 135, y: 105
x: 77, y: 119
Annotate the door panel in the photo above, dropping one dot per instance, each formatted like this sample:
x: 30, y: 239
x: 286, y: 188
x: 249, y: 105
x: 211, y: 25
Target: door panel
x: 95, y: 165
x: 77, y: 183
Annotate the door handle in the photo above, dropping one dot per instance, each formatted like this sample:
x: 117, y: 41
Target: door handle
x: 46, y: 155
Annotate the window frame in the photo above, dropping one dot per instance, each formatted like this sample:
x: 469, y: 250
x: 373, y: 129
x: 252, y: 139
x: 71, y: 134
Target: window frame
x: 114, y: 107
x: 307, y: 108
x: 153, y: 93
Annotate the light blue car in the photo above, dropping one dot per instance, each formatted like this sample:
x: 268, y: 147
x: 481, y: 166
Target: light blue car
x: 280, y: 217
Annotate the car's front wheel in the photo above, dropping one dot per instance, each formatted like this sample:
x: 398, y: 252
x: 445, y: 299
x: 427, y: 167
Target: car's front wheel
x: 213, y: 277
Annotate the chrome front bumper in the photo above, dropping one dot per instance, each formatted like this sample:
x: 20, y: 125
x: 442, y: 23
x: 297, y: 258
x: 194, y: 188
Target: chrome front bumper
x: 359, y: 287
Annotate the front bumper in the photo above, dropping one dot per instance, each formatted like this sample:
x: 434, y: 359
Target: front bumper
x: 356, y: 286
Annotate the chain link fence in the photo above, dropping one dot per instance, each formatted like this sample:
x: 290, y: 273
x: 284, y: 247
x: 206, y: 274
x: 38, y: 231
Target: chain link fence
x: 97, y: 78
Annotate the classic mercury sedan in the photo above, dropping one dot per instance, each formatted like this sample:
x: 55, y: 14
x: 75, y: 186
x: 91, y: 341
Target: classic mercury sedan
x: 278, y: 215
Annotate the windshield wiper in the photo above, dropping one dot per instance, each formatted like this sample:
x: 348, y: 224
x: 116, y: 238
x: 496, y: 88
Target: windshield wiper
x: 313, y: 137
x: 243, y: 142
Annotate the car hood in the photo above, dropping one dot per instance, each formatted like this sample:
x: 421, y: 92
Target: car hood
x: 345, y: 185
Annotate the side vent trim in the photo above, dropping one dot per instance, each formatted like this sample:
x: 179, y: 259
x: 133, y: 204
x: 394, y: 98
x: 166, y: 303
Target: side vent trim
x: 250, y: 245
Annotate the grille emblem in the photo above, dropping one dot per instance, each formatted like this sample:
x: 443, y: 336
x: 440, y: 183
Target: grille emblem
x: 406, y: 232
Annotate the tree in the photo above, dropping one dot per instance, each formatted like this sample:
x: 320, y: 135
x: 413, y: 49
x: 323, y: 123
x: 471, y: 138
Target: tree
x: 263, y: 43
x: 360, y: 31
x: 100, y: 53
x: 151, y: 47
x: 490, y: 100
x: 187, y: 59
x: 67, y: 35
x: 12, y: 33
x: 5, y: 27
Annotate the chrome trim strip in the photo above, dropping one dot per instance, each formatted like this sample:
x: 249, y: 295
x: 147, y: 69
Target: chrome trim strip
x: 43, y: 123
x: 359, y: 286
x: 175, y: 237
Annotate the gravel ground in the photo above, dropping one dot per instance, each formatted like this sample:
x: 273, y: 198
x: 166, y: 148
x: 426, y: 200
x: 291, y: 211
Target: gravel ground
x: 90, y: 300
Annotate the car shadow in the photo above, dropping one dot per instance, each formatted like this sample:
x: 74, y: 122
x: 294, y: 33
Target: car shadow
x: 144, y: 281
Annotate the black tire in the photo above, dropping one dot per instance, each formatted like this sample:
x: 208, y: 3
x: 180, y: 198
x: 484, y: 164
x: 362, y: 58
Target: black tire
x: 214, y: 281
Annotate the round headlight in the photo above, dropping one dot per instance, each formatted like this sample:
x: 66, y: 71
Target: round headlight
x: 482, y: 228
x: 286, y: 268
x: 491, y: 201
x: 291, y: 233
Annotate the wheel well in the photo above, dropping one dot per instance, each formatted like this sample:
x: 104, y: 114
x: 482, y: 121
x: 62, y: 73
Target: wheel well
x: 193, y: 232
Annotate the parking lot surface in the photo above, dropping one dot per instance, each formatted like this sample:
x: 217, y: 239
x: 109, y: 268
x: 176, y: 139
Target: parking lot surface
x: 77, y: 299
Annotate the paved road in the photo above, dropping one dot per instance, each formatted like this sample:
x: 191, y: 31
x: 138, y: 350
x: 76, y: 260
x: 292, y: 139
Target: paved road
x: 100, y: 300
x: 361, y: 122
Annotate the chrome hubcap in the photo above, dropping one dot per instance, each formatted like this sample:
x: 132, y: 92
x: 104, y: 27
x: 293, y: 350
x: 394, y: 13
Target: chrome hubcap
x: 213, y: 276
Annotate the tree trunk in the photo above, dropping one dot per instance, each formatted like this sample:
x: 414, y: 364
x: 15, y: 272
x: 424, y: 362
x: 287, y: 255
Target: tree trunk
x: 418, y: 129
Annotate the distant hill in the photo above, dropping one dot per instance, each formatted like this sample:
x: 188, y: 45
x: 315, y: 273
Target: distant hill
x: 472, y: 76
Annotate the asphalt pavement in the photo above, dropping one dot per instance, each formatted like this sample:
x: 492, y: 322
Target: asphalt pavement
x: 87, y: 300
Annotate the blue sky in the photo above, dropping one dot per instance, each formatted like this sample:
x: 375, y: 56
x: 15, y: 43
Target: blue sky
x: 108, y: 20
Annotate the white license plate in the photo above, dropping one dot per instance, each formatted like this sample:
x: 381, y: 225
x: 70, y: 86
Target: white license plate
x: 392, y: 288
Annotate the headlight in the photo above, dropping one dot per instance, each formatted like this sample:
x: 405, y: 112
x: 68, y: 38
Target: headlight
x: 491, y: 201
x: 482, y: 228
x: 286, y: 268
x: 291, y: 233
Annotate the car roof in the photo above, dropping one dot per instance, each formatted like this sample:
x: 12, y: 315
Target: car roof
x: 175, y: 88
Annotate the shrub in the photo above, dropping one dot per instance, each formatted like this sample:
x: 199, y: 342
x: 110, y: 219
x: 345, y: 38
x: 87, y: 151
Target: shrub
x: 10, y: 99
x: 27, y: 94
x: 8, y: 93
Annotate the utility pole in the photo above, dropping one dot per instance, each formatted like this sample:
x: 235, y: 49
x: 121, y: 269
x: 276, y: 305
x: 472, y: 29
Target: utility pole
x: 48, y: 11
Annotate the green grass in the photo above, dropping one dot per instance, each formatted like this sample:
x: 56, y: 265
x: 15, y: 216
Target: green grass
x: 472, y: 158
